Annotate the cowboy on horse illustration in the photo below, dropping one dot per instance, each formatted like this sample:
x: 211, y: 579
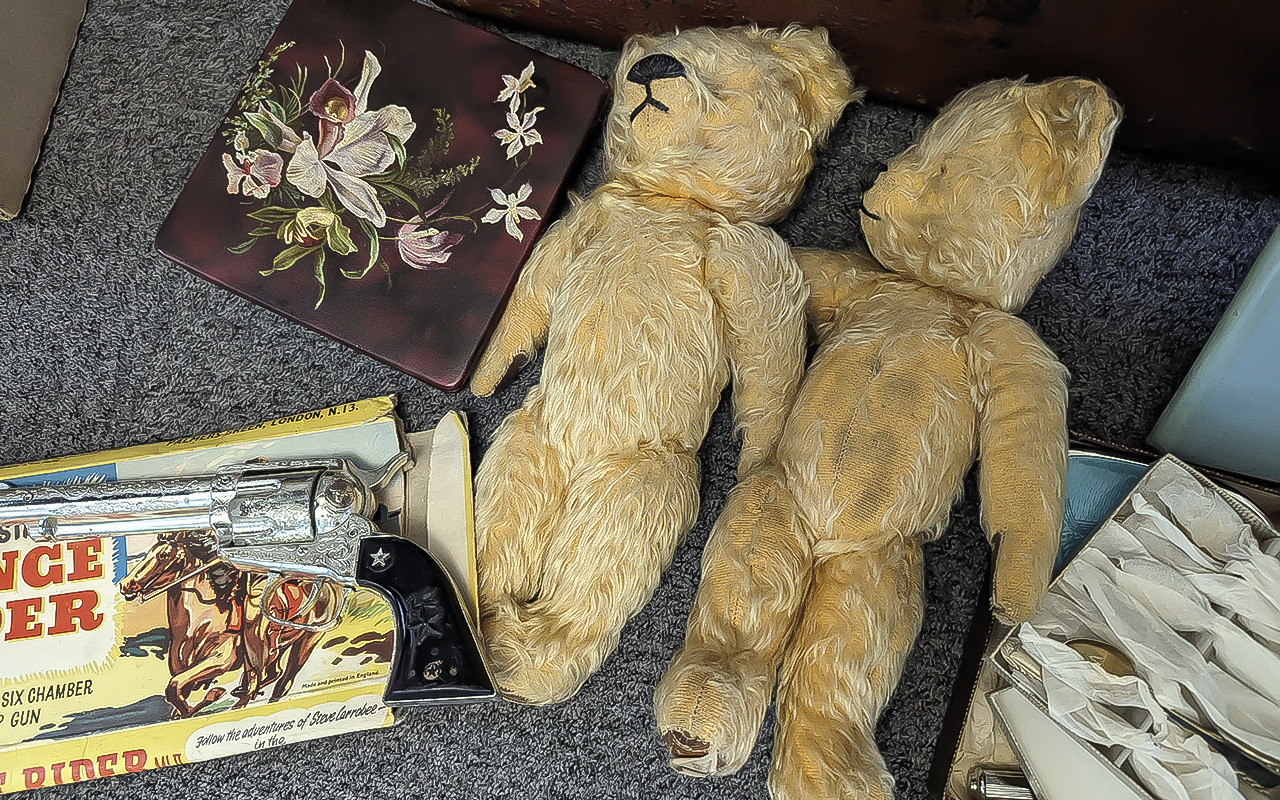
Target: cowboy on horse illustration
x: 222, y: 619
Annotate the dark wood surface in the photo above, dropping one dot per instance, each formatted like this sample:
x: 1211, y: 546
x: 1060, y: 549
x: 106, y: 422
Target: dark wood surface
x: 1199, y: 81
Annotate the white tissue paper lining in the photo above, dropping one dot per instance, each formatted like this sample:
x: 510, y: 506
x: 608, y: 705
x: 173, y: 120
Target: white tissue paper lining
x: 1190, y: 592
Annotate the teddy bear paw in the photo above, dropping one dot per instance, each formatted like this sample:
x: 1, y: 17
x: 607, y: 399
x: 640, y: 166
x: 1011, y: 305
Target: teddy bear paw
x: 523, y: 653
x: 850, y: 787
x: 709, y: 716
x: 698, y: 758
x: 1020, y: 582
x: 536, y: 679
x: 813, y: 759
x: 690, y: 755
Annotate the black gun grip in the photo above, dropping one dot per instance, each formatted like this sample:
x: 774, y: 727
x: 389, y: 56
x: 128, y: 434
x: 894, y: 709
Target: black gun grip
x: 437, y: 657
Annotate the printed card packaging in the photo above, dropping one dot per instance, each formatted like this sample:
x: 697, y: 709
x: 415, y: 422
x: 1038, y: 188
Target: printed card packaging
x: 121, y: 654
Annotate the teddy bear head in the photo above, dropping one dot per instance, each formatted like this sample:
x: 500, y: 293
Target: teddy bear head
x: 986, y: 200
x: 727, y: 117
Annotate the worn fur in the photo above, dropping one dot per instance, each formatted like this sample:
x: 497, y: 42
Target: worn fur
x: 649, y: 296
x: 813, y: 573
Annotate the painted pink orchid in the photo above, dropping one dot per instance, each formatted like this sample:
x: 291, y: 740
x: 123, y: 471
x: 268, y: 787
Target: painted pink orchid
x: 354, y: 144
x: 335, y: 106
x: 425, y: 248
x: 255, y: 174
x: 333, y: 102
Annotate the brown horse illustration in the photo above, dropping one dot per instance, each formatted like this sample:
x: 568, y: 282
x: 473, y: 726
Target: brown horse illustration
x: 217, y: 624
x: 274, y: 652
x: 205, y: 604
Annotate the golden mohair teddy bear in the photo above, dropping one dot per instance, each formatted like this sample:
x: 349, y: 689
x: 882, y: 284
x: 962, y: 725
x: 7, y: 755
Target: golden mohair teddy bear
x: 813, y: 573
x: 649, y: 296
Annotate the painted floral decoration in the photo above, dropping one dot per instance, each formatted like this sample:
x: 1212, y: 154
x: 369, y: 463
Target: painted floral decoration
x: 510, y: 211
x: 336, y: 176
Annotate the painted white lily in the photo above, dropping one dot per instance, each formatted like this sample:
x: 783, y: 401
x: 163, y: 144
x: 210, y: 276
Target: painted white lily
x: 513, y: 87
x: 521, y: 133
x: 510, y: 211
x: 353, y: 144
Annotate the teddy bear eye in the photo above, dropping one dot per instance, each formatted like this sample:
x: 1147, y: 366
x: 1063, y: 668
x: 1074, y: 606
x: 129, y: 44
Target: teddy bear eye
x: 942, y: 171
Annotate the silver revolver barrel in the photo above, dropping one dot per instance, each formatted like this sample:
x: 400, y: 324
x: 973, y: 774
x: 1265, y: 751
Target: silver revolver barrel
x: 302, y: 518
x: 83, y: 510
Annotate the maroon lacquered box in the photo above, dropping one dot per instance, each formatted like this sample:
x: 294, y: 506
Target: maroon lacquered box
x: 382, y: 176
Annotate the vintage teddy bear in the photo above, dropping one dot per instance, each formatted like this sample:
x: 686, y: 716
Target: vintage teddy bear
x: 649, y: 295
x: 813, y: 573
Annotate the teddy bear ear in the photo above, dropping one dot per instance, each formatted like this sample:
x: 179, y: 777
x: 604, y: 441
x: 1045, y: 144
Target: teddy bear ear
x: 1077, y: 119
x: 826, y: 82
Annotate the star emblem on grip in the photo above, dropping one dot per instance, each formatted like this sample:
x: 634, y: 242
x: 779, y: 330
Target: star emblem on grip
x: 380, y: 559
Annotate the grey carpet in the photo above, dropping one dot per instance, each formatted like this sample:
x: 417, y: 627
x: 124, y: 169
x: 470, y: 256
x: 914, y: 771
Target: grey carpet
x: 104, y: 344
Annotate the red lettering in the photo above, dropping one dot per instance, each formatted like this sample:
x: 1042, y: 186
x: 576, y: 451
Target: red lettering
x: 22, y: 619
x: 86, y: 559
x: 82, y: 770
x: 106, y: 764
x: 31, y: 571
x: 135, y: 760
x: 57, y: 772
x: 8, y: 569
x: 33, y: 777
x: 70, y: 608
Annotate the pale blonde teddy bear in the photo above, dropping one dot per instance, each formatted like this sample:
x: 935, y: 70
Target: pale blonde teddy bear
x: 813, y: 573
x: 649, y: 296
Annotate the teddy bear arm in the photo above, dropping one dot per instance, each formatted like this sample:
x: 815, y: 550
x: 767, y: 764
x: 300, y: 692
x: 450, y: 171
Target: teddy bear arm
x: 1022, y: 437
x: 760, y: 295
x: 834, y: 278
x: 522, y: 331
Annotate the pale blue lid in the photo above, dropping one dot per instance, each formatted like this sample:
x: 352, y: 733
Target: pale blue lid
x: 1096, y: 485
x: 1226, y: 413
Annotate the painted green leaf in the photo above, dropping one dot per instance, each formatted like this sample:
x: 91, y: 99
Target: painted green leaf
x: 273, y: 215
x: 319, y: 272
x: 287, y: 258
x: 276, y: 109
x: 397, y: 147
x: 375, y: 249
x: 269, y: 132
x: 392, y: 189
x: 243, y: 247
x: 340, y: 239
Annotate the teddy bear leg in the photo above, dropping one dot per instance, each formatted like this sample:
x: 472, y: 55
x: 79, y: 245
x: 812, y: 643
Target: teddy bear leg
x: 860, y: 619
x: 518, y: 493
x: 712, y: 699
x: 623, y: 516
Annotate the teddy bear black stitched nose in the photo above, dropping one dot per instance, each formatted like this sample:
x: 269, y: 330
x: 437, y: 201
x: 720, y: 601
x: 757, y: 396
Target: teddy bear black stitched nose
x: 654, y: 67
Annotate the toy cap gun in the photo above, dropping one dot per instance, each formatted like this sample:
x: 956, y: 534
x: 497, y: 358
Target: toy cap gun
x: 307, y: 520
